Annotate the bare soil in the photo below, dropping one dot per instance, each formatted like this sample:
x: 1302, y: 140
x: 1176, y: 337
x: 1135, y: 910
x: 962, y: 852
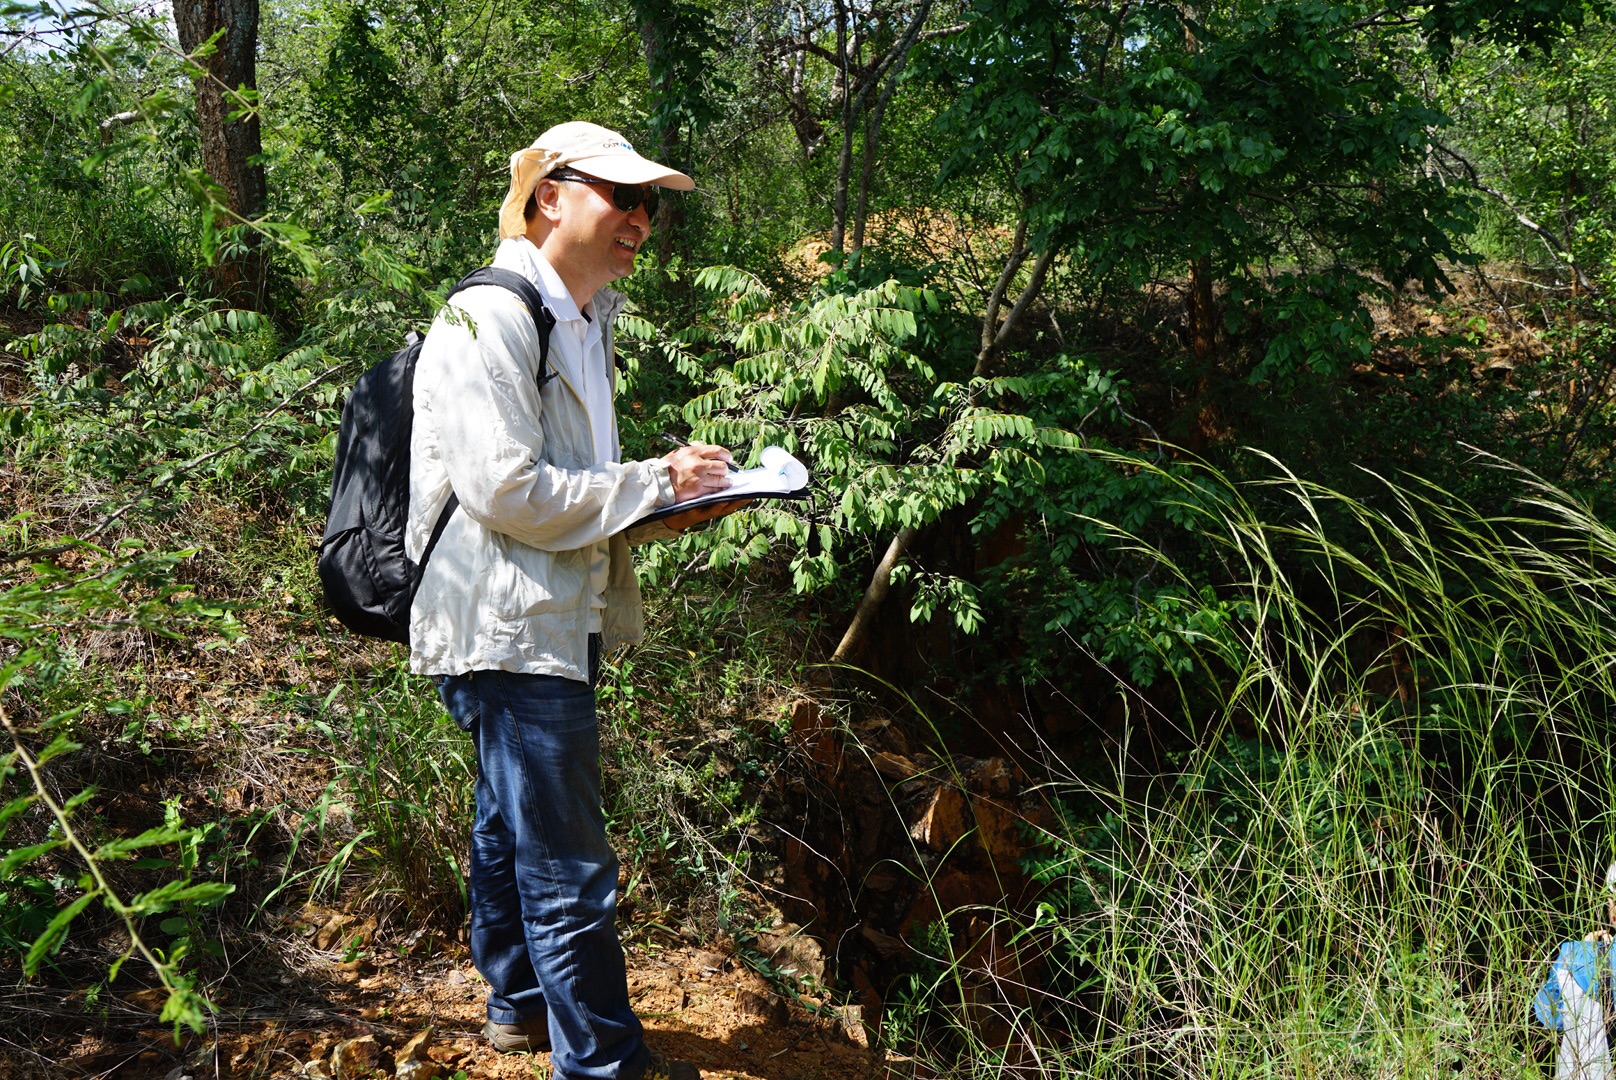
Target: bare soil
x: 697, y: 1005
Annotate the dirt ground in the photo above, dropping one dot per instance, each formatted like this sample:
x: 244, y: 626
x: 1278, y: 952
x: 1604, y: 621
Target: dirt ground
x: 698, y: 1005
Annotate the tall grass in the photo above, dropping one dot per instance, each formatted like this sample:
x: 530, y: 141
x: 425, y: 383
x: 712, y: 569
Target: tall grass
x: 408, y: 775
x: 1394, y: 799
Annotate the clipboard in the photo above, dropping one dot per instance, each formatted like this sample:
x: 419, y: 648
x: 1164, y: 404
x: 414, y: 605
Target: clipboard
x: 778, y: 475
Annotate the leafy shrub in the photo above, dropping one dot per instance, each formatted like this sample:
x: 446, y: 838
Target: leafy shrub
x: 64, y: 865
x: 852, y: 379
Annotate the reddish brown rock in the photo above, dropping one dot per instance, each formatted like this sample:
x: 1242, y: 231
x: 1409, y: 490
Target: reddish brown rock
x: 944, y: 820
x: 887, y: 946
x: 894, y: 766
x: 946, y: 894
x: 993, y: 776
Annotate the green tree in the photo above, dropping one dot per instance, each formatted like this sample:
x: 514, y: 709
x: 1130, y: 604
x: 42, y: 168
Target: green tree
x: 1536, y: 131
x: 1281, y: 148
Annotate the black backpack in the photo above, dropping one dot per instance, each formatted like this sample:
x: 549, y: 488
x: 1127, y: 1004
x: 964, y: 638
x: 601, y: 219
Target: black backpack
x: 369, y: 581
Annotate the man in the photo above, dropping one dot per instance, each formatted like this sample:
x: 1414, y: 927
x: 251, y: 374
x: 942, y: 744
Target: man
x: 531, y: 581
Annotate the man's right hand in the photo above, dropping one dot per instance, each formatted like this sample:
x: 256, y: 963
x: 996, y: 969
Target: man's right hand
x: 697, y: 469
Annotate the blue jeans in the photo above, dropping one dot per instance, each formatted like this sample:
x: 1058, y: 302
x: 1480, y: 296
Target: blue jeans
x: 543, y: 877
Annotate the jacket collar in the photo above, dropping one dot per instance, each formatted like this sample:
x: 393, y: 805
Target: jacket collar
x: 519, y: 254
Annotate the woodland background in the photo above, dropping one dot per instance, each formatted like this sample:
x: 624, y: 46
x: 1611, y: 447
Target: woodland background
x: 1196, y: 657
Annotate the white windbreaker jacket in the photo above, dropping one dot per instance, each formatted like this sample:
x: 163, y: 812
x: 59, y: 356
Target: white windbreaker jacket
x: 507, y: 587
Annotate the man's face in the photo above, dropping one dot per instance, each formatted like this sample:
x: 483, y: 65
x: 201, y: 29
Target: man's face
x: 596, y: 239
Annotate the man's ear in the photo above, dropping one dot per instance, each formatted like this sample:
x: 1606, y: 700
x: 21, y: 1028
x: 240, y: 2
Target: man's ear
x: 548, y: 196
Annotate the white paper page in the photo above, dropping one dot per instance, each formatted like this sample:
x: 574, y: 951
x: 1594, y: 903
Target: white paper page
x: 779, y: 471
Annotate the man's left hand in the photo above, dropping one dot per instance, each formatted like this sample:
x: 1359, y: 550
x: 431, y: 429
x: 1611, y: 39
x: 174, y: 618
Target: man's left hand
x: 691, y: 518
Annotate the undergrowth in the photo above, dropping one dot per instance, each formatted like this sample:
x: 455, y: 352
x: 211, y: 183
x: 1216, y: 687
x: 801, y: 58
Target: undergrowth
x: 693, y: 722
x: 1396, y: 805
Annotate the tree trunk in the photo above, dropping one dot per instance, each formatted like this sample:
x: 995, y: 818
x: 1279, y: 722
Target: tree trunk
x: 990, y: 312
x: 844, y: 163
x: 810, y: 132
x: 893, y: 64
x: 229, y: 147
x: 861, y: 214
x: 875, y: 593
x: 669, y: 223
x: 1203, y: 310
x: 995, y: 333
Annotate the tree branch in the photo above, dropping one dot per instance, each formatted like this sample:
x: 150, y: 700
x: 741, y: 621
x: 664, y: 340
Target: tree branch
x: 874, y: 595
x: 940, y: 31
x: 990, y: 314
x: 1040, y: 269
x: 115, y: 121
x: 1559, y: 250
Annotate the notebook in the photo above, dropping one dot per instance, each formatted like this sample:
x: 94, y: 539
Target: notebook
x: 778, y: 475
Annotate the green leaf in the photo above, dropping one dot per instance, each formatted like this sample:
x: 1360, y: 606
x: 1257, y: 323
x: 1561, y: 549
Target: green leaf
x: 61, y: 744
x: 184, y: 1007
x: 55, y: 933
x: 22, y: 856
x: 165, y: 896
x: 13, y: 808
x: 161, y: 834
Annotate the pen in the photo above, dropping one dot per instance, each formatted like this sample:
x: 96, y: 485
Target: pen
x: 670, y: 437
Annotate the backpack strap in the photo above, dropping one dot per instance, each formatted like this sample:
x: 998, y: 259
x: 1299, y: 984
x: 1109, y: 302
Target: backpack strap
x: 432, y: 542
x: 543, y: 322
x: 528, y: 293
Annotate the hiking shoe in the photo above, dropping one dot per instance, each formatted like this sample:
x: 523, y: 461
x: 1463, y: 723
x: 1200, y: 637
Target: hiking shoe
x: 664, y: 1068
x: 520, y: 1038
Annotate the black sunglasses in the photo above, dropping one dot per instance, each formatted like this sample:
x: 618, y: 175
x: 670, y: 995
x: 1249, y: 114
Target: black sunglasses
x: 626, y: 197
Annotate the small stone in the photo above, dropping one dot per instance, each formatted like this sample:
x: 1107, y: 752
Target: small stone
x: 793, y: 952
x: 316, y: 1070
x: 416, y: 1070
x: 355, y: 1058
x: 852, y: 1020
x: 450, y: 1055
x: 415, y: 1049
x: 764, y: 1008
x: 712, y: 961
